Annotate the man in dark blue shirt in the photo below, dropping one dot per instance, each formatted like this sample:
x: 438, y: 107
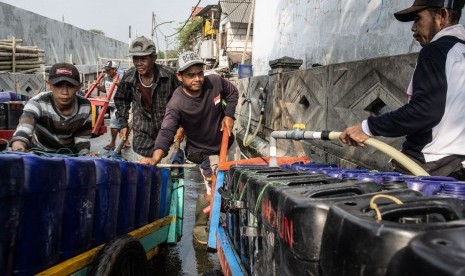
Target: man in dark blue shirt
x: 432, y: 120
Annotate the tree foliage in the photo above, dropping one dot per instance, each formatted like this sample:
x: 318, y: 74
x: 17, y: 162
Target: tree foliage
x: 187, y: 35
x: 95, y: 31
x: 172, y: 54
x: 160, y: 54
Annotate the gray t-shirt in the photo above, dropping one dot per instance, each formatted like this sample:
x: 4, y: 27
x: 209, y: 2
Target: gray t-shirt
x: 107, y: 81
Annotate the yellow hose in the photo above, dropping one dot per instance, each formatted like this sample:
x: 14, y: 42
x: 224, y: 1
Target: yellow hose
x: 404, y: 160
x: 250, y: 139
x: 374, y: 206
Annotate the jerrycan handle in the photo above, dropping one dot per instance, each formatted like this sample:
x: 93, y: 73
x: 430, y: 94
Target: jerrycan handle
x: 392, y: 212
x: 437, y: 178
x: 336, y: 192
x: 315, y: 181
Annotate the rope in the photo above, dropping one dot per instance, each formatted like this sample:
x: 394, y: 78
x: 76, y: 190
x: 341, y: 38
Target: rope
x: 259, y: 200
x: 375, y: 207
x: 244, y: 189
x: 250, y: 139
x: 7, y: 142
x: 65, y: 149
x: 237, y: 187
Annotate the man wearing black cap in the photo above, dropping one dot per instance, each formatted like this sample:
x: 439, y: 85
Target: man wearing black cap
x: 148, y: 86
x: 56, y: 120
x: 433, y: 119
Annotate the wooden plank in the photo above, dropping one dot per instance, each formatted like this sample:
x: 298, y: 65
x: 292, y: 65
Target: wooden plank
x: 79, y: 262
x: 215, y: 211
x: 229, y: 259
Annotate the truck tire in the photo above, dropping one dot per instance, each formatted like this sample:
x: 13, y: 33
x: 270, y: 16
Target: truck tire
x: 124, y: 255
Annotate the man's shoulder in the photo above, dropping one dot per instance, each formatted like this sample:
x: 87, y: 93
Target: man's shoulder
x: 440, y: 47
x: 215, y: 81
x: 107, y: 78
x: 82, y: 100
x: 433, y: 50
x: 212, y: 81
x: 165, y: 71
x: 213, y: 77
x: 178, y: 94
x: 178, y: 99
x: 42, y: 97
x: 129, y: 75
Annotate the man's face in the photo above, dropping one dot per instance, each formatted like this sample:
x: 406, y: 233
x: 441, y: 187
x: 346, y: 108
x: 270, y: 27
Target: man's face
x: 63, y: 94
x: 144, y: 64
x: 192, y: 78
x: 110, y: 72
x: 426, y: 25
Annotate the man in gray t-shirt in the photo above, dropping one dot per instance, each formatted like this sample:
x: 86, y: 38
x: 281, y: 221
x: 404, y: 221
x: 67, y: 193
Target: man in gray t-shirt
x: 110, y: 73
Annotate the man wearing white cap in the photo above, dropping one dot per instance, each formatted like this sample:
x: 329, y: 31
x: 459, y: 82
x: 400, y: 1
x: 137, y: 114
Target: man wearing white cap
x: 433, y: 119
x: 111, y: 69
x: 198, y: 106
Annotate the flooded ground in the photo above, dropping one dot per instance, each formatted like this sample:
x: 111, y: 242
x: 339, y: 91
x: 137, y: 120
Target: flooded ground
x: 187, y: 257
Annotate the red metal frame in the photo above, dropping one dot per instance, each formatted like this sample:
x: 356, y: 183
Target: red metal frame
x: 6, y: 134
x: 99, y: 127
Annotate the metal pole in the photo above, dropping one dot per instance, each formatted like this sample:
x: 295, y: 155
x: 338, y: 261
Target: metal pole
x: 153, y: 24
x: 248, y: 31
x: 166, y: 50
x: 129, y: 45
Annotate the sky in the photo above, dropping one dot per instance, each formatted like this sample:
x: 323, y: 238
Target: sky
x: 115, y: 17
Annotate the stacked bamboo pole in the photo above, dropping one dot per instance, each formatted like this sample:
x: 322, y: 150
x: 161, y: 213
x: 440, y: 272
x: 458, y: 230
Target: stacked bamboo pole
x: 17, y: 58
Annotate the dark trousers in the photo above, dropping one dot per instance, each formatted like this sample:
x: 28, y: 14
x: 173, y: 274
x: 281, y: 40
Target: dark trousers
x: 447, y: 166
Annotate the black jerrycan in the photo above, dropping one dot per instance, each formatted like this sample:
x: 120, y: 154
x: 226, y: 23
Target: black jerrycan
x: 303, y: 215
x: 440, y: 252
x: 359, y: 240
x: 263, y: 206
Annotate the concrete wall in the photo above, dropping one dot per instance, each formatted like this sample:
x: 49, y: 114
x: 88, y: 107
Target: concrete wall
x: 62, y: 42
x: 236, y: 37
x: 326, y: 98
x: 236, y: 34
x: 329, y: 31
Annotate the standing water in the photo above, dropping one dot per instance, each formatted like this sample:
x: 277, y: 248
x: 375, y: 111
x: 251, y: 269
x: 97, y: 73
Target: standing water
x: 187, y: 257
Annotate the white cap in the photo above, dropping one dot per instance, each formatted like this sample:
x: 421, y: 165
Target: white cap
x: 187, y: 59
x: 111, y: 64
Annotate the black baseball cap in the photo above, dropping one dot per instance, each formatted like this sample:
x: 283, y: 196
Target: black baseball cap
x: 64, y: 72
x: 409, y: 14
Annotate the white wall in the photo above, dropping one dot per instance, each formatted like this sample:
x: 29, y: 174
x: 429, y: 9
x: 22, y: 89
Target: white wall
x: 328, y: 31
x: 237, y: 34
x: 235, y: 39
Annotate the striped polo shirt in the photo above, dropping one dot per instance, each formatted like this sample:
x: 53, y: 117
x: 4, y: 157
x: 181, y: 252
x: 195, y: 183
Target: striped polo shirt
x: 42, y: 126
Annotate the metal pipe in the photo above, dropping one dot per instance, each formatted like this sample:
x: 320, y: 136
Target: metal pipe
x: 291, y: 135
x: 404, y: 160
